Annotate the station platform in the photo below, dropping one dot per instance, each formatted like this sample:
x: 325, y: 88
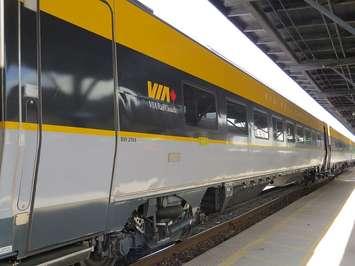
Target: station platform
x: 316, y: 230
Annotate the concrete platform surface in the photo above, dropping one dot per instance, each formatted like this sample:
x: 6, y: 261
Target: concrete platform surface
x: 317, y: 230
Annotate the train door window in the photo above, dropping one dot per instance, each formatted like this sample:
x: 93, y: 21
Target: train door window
x: 278, y: 131
x: 290, y: 132
x: 237, y: 121
x: 299, y: 134
x: 307, y: 136
x: 200, y: 108
x: 261, y: 126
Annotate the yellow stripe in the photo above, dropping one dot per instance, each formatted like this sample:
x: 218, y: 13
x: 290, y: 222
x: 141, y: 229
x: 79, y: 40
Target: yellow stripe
x: 155, y: 136
x: 61, y: 129
x: 200, y: 140
x: 19, y: 126
x: 144, y: 33
x: 92, y: 15
x: 79, y: 130
x: 158, y: 137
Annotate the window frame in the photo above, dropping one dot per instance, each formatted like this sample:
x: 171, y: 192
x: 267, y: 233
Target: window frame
x: 206, y: 90
x: 267, y: 120
x: 237, y: 102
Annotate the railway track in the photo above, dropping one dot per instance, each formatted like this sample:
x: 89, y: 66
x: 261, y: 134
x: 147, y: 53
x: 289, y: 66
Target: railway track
x: 219, y: 228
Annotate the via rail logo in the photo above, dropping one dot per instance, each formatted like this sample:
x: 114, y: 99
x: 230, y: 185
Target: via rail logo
x: 160, y: 92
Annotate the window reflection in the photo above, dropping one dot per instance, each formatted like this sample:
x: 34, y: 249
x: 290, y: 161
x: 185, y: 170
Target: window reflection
x: 237, y: 121
x: 200, y: 108
x: 278, y: 129
x: 261, y: 127
x: 299, y: 135
x: 290, y: 132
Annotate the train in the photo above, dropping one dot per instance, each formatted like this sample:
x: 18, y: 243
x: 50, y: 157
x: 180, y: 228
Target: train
x: 119, y: 132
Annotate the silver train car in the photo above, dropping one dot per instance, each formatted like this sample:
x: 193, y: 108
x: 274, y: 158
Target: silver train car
x: 118, y: 132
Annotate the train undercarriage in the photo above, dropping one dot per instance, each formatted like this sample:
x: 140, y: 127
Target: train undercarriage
x: 164, y: 220
x: 161, y: 221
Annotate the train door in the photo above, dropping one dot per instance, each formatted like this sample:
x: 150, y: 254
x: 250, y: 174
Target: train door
x: 78, y: 137
x: 29, y: 113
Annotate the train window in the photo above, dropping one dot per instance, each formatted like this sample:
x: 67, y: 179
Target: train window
x: 307, y: 136
x: 277, y: 126
x: 314, y: 138
x: 339, y: 145
x: 299, y: 134
x: 261, y: 127
x: 319, y: 139
x: 237, y: 121
x: 290, y: 131
x: 200, y: 108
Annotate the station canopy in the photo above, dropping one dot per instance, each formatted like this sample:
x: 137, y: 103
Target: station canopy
x: 312, y: 41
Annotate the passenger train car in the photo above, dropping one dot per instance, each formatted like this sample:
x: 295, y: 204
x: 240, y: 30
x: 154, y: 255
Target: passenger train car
x: 118, y: 132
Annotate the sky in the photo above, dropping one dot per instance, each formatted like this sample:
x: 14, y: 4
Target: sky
x: 204, y: 23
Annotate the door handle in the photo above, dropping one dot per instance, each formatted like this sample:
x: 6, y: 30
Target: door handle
x: 28, y: 152
x: 31, y: 97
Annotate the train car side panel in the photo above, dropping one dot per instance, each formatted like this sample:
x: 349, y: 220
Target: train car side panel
x: 78, y: 139
x: 168, y: 152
